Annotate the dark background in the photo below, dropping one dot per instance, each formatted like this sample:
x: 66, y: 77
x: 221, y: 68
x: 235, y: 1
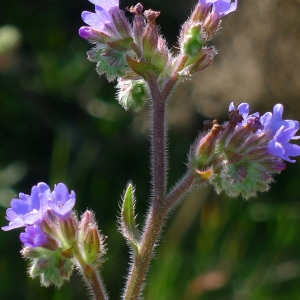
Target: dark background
x: 59, y: 122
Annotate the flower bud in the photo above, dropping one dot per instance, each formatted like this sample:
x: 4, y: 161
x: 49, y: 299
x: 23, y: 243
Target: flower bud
x: 204, y: 147
x: 138, y: 23
x: 91, y: 243
x: 132, y: 94
x: 193, y: 40
x: 69, y: 231
x: 150, y: 36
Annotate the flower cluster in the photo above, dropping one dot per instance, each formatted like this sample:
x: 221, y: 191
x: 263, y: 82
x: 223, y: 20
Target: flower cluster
x: 133, y: 52
x: 50, y: 230
x: 29, y: 209
x: 53, y: 237
x: 241, y: 155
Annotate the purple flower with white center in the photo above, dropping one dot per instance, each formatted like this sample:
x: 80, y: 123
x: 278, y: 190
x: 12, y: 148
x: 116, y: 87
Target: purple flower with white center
x: 281, y: 131
x: 30, y: 209
x: 61, y: 202
x: 33, y: 237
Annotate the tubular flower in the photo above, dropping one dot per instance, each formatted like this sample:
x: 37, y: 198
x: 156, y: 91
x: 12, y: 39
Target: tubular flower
x: 243, y: 154
x: 31, y: 209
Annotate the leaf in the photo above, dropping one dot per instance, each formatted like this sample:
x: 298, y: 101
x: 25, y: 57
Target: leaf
x: 128, y: 225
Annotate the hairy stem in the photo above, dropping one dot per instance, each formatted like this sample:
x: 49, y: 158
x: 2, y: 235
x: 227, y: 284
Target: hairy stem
x: 180, y: 190
x: 169, y: 85
x: 92, y: 277
x: 156, y: 214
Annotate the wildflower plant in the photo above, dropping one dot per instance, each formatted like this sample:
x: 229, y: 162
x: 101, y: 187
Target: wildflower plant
x: 238, y: 157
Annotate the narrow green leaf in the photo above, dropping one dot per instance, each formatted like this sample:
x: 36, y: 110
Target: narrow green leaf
x: 128, y: 225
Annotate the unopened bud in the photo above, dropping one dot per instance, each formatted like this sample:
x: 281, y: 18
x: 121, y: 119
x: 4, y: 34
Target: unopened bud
x: 193, y: 40
x: 138, y: 23
x: 204, y: 147
x: 150, y: 36
x: 69, y: 230
x: 121, y: 23
x: 132, y: 94
x: 91, y: 243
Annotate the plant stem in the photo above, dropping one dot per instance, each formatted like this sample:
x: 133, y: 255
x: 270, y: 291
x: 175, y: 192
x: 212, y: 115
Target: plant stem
x: 156, y: 214
x: 180, y: 190
x: 169, y: 85
x: 92, y: 277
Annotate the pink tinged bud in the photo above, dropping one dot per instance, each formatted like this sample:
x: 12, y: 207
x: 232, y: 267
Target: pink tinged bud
x: 139, y: 23
x: 120, y: 22
x: 205, y: 150
x: 69, y: 231
x: 150, y: 36
x: 92, y: 245
x: 90, y: 240
x: 87, y: 219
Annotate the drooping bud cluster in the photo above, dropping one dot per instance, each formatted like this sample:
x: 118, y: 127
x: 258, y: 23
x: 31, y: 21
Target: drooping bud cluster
x: 241, y: 156
x: 52, y: 238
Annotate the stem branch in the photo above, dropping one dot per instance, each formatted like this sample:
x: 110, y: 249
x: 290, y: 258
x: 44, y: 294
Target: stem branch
x: 92, y: 277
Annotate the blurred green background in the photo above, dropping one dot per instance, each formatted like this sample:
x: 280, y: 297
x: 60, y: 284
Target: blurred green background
x: 59, y: 122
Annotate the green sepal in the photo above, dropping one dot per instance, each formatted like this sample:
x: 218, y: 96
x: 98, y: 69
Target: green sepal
x: 144, y: 69
x: 121, y: 45
x: 128, y: 226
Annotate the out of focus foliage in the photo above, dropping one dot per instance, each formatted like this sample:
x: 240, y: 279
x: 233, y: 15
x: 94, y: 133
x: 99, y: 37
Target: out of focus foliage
x: 59, y: 122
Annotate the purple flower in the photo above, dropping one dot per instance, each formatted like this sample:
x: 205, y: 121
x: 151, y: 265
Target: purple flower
x: 61, y: 202
x: 33, y: 237
x: 107, y: 21
x: 281, y: 132
x: 222, y: 8
x: 30, y: 209
x: 206, y: 2
x: 243, y: 109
